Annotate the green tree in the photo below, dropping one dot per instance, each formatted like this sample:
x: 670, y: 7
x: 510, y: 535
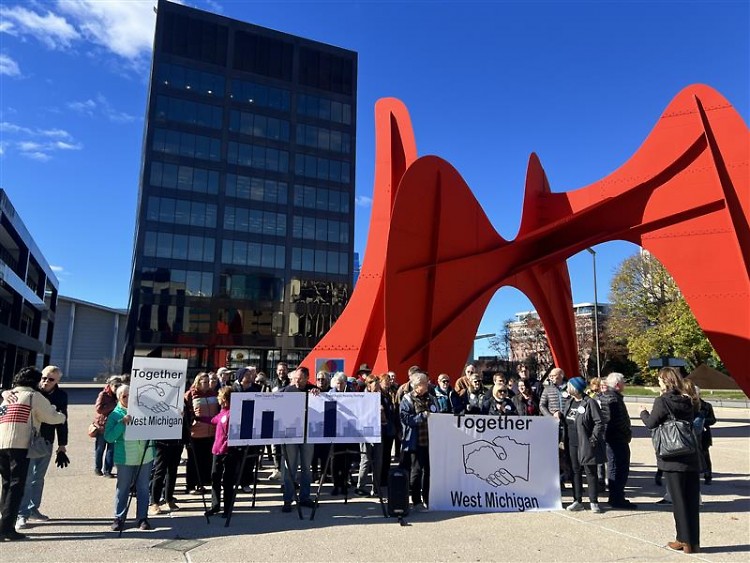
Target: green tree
x: 652, y: 317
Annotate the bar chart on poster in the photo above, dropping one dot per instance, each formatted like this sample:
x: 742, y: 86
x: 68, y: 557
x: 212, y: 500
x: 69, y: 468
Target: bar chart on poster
x: 343, y: 418
x: 257, y: 419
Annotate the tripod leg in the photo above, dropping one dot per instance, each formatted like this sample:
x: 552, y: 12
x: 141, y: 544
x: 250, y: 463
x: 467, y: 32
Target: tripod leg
x: 196, y: 467
x: 320, y: 482
x: 258, y: 462
x: 237, y: 480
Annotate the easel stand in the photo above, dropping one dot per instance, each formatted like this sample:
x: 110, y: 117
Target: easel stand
x: 328, y: 465
x: 132, y: 486
x: 238, y: 481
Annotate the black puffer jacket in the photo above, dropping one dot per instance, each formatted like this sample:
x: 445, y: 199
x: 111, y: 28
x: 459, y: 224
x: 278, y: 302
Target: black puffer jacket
x: 682, y: 409
x: 616, y: 417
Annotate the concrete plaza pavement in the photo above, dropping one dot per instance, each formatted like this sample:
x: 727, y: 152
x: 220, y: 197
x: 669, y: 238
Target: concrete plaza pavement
x: 80, y: 505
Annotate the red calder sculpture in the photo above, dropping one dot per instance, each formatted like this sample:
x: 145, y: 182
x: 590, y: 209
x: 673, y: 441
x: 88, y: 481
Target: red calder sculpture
x: 433, y: 260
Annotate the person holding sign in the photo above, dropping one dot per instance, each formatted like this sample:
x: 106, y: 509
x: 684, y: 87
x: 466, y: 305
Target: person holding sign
x: 133, y: 459
x: 298, y: 455
x: 416, y: 407
x: 200, y: 402
x: 226, y: 460
x: 371, y: 455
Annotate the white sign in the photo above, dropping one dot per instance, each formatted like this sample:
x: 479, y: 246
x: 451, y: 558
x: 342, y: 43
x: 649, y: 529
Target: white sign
x: 343, y: 418
x: 257, y: 419
x: 156, y: 403
x: 493, y: 463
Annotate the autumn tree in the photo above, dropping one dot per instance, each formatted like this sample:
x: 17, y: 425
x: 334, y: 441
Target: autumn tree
x: 652, y: 317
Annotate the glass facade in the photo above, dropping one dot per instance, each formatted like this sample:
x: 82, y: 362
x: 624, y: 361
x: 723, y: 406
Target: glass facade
x: 244, y: 238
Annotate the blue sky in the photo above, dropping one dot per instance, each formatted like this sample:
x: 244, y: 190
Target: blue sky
x: 486, y: 83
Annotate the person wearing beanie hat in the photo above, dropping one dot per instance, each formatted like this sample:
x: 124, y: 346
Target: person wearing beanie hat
x: 585, y: 441
x: 578, y: 383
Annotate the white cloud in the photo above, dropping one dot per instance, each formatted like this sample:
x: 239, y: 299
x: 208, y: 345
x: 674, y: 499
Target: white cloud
x: 7, y: 127
x: 125, y: 28
x: 86, y: 107
x: 362, y: 201
x: 49, y: 28
x: 101, y: 107
x: 214, y: 6
x: 66, y: 146
x: 55, y: 133
x: 8, y: 66
x: 40, y: 156
x: 36, y: 144
x: 56, y: 269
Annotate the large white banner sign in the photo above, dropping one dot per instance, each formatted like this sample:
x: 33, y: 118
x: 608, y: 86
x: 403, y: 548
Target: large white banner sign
x: 493, y: 463
x: 257, y: 419
x: 343, y: 418
x: 156, y: 403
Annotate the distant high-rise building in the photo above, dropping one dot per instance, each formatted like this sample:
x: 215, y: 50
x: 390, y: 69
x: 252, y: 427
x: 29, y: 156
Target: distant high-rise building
x: 527, y: 338
x: 244, y: 238
x: 356, y: 269
x: 28, y: 297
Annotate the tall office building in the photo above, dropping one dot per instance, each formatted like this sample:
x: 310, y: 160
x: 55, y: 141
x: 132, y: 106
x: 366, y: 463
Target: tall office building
x: 244, y: 237
x: 28, y: 297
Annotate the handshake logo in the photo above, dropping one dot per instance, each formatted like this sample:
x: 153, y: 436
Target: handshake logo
x: 159, y: 398
x: 499, y: 462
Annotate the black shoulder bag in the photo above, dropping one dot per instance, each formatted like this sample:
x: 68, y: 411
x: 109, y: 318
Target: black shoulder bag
x: 674, y: 437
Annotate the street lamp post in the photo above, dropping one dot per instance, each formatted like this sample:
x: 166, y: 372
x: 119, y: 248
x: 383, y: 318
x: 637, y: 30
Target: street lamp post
x: 596, y: 313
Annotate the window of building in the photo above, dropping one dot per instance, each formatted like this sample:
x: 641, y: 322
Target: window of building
x: 169, y: 245
x: 261, y: 126
x: 323, y: 138
x: 165, y: 281
x: 180, y: 77
x: 326, y: 71
x: 255, y: 287
x: 260, y: 95
x: 320, y: 261
x: 254, y: 221
x: 185, y: 111
x: 186, y: 144
x: 256, y: 156
x: 242, y: 253
x: 315, y: 228
x: 188, y: 178
x: 266, y: 56
x: 181, y: 212
x: 322, y: 168
x: 324, y: 108
x: 195, y: 39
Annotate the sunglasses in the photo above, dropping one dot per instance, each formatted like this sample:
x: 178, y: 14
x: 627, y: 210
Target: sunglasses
x: 52, y: 379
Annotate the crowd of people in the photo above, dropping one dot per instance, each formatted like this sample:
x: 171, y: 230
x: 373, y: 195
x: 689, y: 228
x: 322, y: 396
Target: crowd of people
x: 594, y: 437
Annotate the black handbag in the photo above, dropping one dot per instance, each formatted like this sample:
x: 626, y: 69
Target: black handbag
x: 674, y: 437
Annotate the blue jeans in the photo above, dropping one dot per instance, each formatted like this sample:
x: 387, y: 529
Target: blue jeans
x: 99, y: 447
x: 125, y: 476
x: 295, y: 454
x: 32, y: 493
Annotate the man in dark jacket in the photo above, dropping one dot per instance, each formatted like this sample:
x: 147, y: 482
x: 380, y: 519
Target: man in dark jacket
x: 705, y: 440
x: 447, y: 399
x: 617, y: 436
x: 298, y: 455
x: 32, y: 496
